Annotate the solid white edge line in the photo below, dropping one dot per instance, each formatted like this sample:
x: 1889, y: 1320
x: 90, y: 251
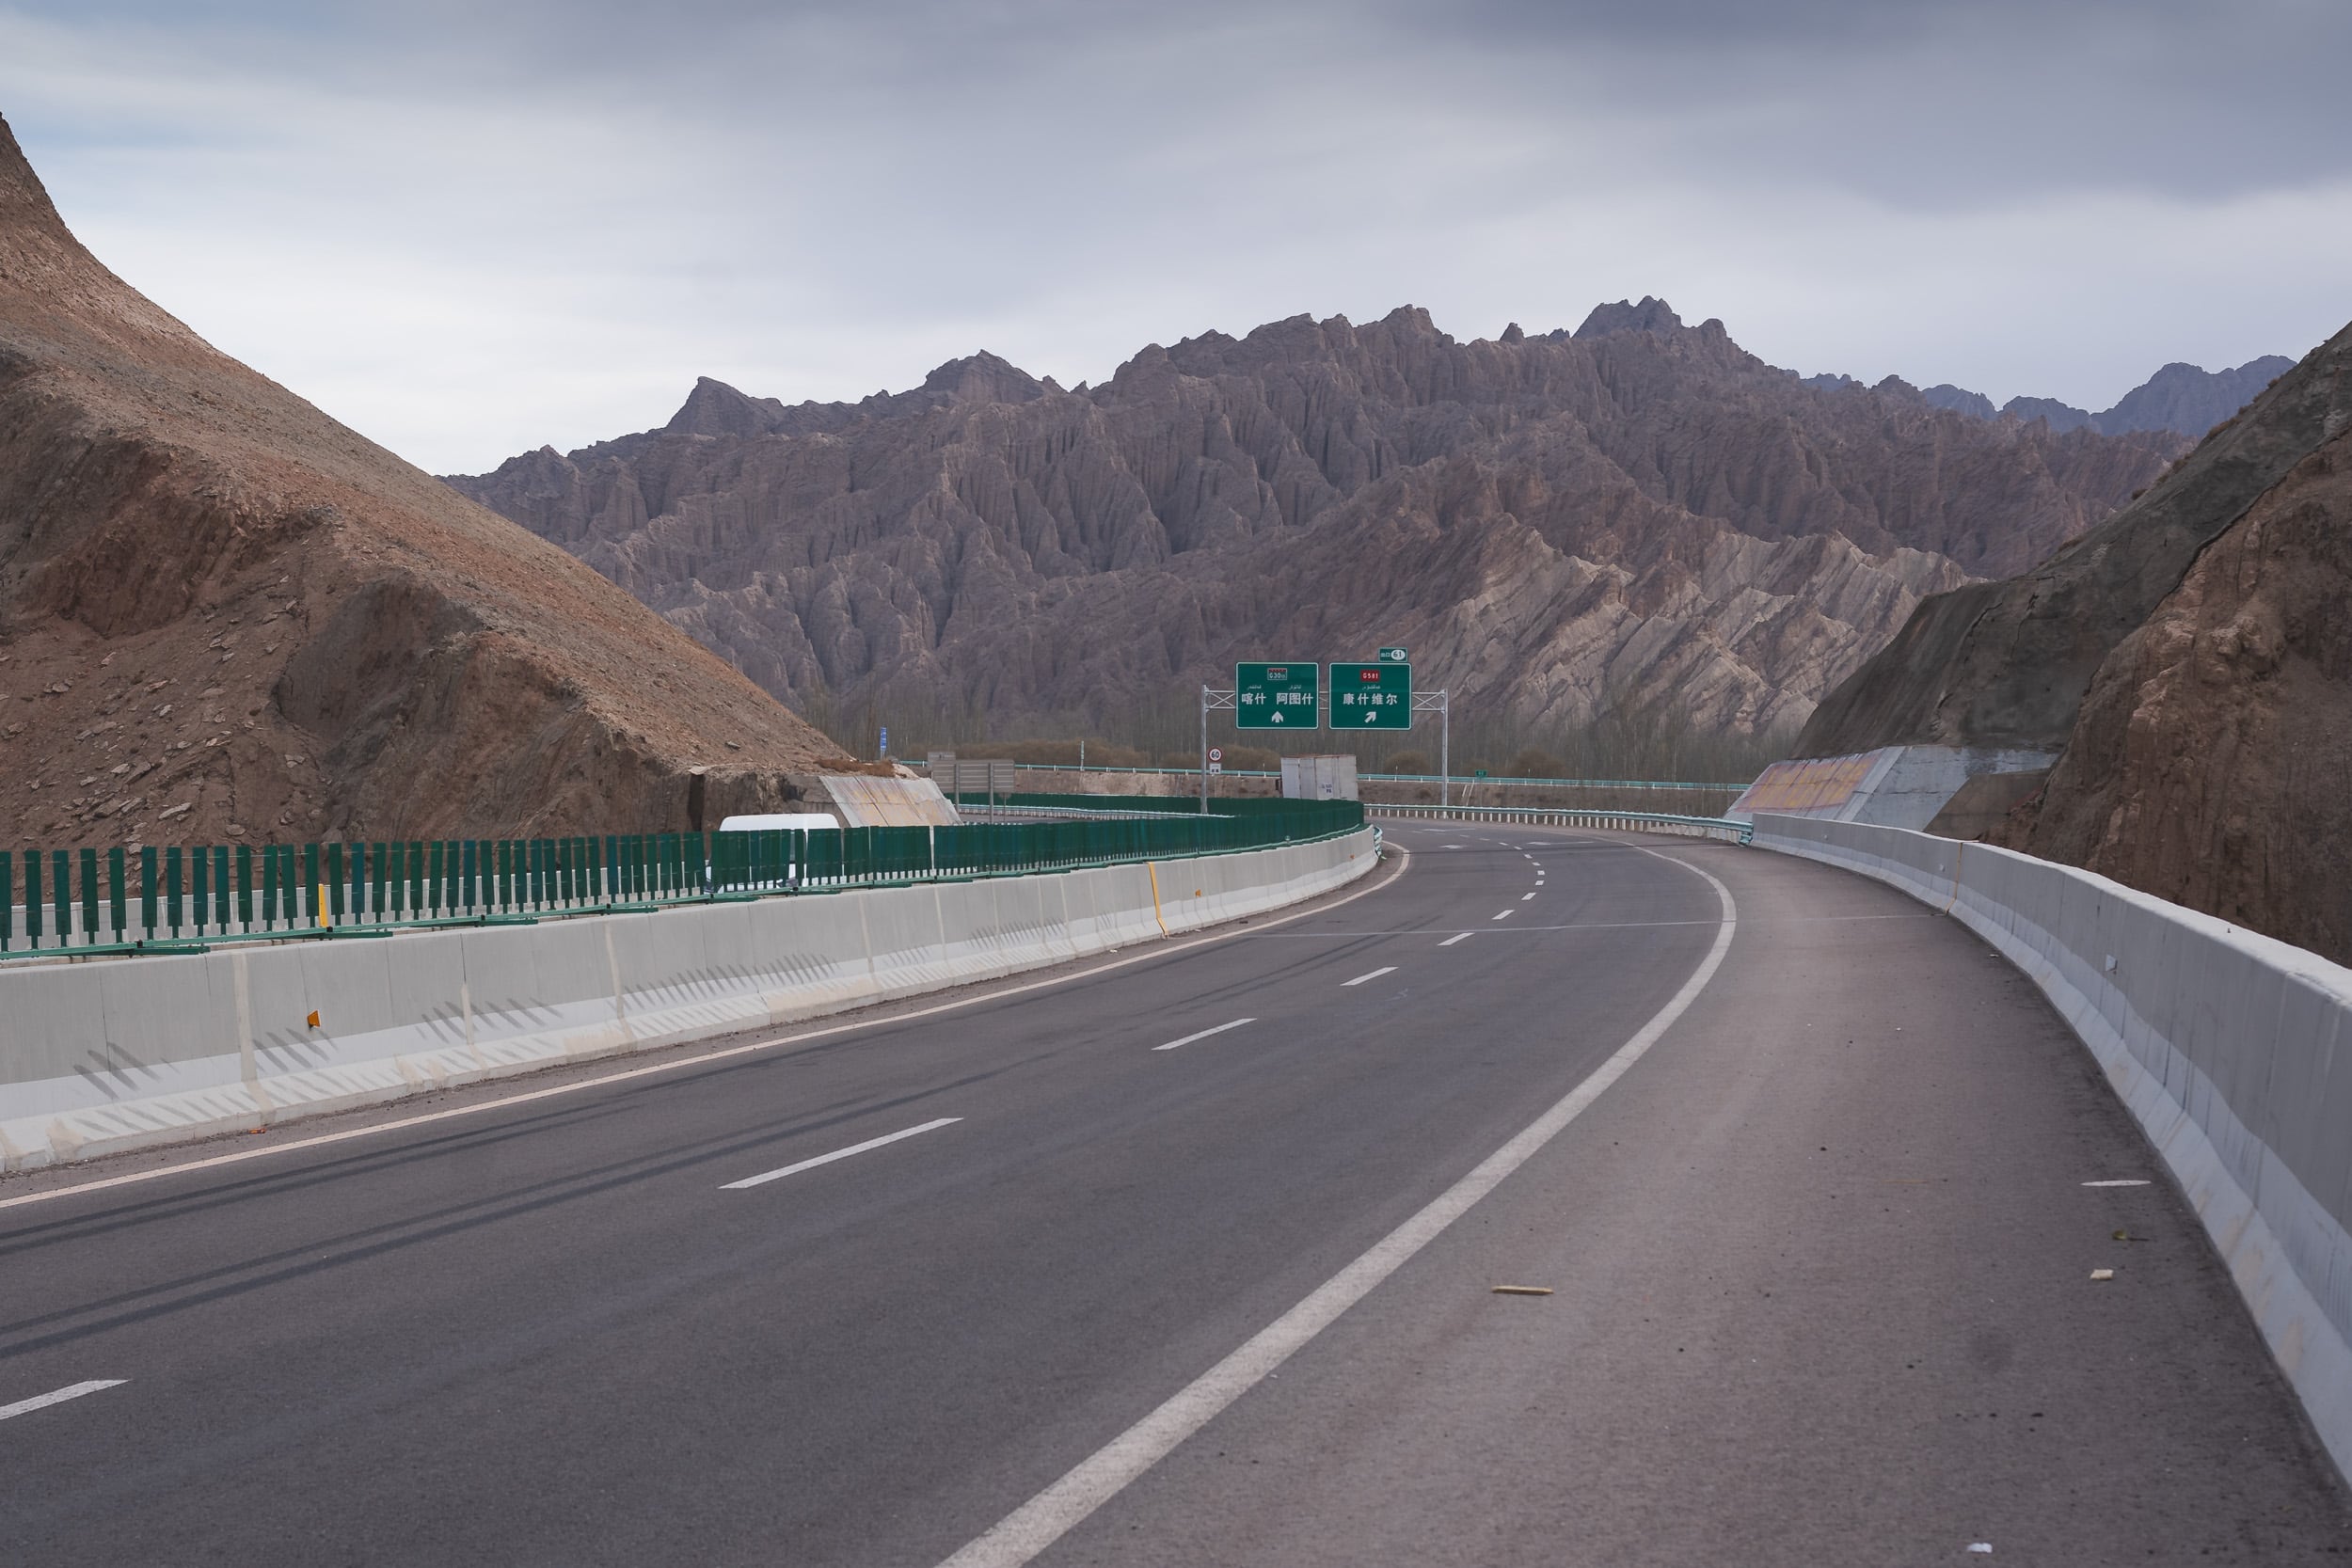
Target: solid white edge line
x: 42, y: 1402
x: 681, y: 1064
x: 1386, y: 969
x: 1449, y: 941
x: 1204, y: 1034
x: 1037, y: 1524
x: 767, y: 1176
x: 2128, y: 1182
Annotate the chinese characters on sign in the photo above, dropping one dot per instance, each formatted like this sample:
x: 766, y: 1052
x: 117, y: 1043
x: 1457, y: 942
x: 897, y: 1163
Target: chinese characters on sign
x: 1375, y: 696
x: 1276, y: 697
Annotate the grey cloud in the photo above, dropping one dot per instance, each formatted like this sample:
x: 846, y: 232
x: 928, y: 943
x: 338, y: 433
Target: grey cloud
x: 817, y: 200
x: 1919, y: 106
x: 1924, y: 105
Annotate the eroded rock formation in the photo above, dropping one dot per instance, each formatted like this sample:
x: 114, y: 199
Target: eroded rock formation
x: 1637, y: 513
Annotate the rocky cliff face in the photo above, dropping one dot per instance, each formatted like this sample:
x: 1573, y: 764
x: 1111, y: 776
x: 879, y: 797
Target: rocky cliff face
x: 224, y: 615
x: 2193, y: 658
x: 1638, y: 512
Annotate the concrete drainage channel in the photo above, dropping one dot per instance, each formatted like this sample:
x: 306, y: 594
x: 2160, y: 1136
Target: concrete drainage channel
x: 127, y: 1053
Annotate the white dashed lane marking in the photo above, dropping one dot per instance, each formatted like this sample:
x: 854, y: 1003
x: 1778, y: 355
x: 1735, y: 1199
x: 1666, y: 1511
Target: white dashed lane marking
x: 837, y: 1154
x: 1204, y: 1034
x: 43, y: 1401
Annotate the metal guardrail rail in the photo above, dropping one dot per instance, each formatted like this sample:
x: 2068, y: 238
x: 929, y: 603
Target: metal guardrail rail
x: 178, y: 900
x: 1724, y: 828
x: 1004, y: 811
x: 1480, y: 779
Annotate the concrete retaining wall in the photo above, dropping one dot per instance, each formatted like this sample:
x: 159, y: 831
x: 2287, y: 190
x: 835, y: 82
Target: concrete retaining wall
x: 112, y: 1054
x: 2234, y: 1052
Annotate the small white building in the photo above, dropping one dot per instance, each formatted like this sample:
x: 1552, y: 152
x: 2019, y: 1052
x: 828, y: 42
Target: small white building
x: 1319, y: 778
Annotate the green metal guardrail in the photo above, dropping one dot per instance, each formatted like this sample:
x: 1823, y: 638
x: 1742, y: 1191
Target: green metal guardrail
x: 179, y: 899
x: 1730, y: 829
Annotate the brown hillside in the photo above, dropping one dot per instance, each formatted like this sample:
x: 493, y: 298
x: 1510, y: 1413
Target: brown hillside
x: 2007, y: 663
x: 2212, y: 762
x: 2190, y: 659
x: 224, y: 614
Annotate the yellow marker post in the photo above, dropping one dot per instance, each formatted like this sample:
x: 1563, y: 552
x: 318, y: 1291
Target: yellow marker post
x: 320, y: 905
x: 1155, y: 896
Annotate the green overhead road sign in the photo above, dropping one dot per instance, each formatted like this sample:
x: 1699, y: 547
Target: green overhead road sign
x: 1375, y: 696
x: 1392, y: 656
x: 1276, y: 697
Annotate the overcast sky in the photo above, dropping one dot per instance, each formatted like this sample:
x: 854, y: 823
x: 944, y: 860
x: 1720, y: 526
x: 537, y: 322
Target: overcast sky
x: 467, y: 235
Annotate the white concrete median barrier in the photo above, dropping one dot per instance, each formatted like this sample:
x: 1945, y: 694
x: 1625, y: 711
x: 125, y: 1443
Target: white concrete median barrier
x: 104, y: 1054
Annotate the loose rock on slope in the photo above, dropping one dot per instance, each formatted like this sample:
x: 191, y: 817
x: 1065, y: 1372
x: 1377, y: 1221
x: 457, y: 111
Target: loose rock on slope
x: 224, y: 614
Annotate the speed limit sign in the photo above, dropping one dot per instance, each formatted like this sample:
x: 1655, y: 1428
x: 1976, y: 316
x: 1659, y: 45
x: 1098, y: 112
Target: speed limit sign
x: 1216, y: 754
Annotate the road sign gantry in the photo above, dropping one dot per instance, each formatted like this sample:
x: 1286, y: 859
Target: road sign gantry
x: 1271, y: 696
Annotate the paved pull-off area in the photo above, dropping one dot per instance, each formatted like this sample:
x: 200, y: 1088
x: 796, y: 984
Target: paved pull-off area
x: 1191, y: 1257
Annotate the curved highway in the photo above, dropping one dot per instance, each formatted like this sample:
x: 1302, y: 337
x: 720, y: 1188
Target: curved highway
x: 1189, y: 1256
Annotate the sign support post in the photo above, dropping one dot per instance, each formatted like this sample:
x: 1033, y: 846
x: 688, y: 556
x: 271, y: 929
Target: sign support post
x: 1209, y: 699
x: 1437, y: 703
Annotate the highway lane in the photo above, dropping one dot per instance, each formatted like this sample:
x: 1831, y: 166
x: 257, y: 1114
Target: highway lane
x: 556, y: 1325
x: 1824, y: 1286
x: 553, y: 1333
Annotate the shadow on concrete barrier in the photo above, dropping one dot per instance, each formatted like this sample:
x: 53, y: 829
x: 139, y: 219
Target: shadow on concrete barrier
x: 2233, y: 1050
x: 106, y: 1055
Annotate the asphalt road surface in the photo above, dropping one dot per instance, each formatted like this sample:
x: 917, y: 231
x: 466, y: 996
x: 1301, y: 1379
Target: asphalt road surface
x: 1189, y: 1257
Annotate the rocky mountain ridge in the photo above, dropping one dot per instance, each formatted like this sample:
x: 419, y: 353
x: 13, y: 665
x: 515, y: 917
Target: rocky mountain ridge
x: 1635, y: 513
x: 2186, y: 399
x: 223, y: 615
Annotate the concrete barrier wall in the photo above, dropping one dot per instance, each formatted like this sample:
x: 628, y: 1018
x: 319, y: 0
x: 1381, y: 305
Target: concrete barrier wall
x: 104, y: 1055
x: 2234, y: 1052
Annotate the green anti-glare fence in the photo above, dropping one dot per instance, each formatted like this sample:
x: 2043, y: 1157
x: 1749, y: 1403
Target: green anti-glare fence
x: 153, y: 898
